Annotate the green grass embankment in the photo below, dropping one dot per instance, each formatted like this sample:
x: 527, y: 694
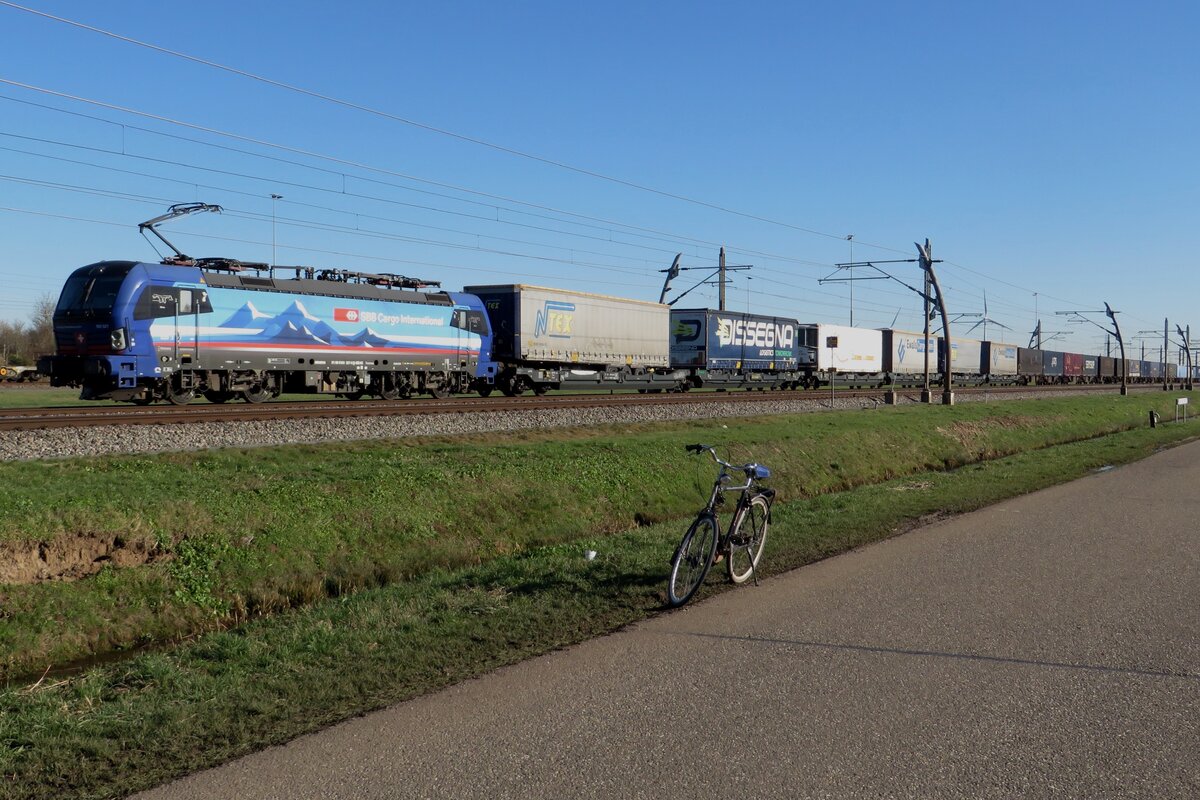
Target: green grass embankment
x: 238, y: 534
x: 432, y: 612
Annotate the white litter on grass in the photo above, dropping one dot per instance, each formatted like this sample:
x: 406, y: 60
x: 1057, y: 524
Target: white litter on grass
x: 590, y: 555
x: 1105, y: 468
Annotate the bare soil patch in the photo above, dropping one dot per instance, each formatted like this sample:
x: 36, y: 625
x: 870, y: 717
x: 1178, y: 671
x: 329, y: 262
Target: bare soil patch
x: 73, y: 556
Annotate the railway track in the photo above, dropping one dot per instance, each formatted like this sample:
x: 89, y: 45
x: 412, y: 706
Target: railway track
x: 83, y: 417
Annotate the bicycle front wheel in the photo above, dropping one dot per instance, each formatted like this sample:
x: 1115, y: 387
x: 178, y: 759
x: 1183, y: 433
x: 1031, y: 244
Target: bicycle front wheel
x: 692, y: 560
x: 748, y: 538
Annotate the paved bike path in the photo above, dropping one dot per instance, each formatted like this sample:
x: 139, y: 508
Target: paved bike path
x: 1048, y: 646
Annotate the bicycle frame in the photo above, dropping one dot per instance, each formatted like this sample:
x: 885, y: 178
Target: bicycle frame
x: 724, y: 476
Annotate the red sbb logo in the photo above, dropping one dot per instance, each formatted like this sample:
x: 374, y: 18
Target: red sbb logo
x: 345, y: 315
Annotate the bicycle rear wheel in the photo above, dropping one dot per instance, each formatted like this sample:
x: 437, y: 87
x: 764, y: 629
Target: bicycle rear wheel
x: 692, y: 559
x: 748, y: 538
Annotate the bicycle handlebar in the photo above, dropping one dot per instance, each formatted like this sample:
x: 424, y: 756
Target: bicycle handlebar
x: 748, y: 469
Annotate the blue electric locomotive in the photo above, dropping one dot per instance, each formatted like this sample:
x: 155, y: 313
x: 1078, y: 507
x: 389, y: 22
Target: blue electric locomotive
x: 139, y: 332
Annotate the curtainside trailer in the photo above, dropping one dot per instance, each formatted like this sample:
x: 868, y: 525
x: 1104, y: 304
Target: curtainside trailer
x: 904, y: 353
x: 966, y: 357
x: 545, y: 338
x: 730, y: 348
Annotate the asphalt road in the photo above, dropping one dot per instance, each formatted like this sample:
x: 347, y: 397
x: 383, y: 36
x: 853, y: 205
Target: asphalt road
x: 1048, y: 646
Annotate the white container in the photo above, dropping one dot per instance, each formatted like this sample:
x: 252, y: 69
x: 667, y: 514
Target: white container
x: 858, y: 351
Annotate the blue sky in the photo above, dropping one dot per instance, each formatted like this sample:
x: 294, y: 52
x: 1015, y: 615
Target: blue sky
x: 1044, y: 148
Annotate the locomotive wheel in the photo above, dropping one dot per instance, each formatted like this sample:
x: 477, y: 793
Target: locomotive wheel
x: 218, y: 397
x: 391, y: 393
x: 143, y: 400
x: 484, y: 391
x: 259, y: 394
x: 180, y: 397
x: 541, y: 389
x: 439, y: 392
x: 355, y: 395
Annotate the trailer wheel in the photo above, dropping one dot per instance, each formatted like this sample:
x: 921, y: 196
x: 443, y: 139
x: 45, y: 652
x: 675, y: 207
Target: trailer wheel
x: 512, y: 386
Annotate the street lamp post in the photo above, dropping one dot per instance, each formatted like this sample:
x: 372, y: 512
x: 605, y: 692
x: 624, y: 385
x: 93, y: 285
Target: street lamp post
x: 850, y: 239
x: 274, y: 198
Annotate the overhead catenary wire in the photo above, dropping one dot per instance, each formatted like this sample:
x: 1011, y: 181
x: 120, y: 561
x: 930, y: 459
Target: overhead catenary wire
x: 334, y: 159
x: 514, y: 151
x: 424, y: 126
x: 341, y: 211
x: 600, y: 222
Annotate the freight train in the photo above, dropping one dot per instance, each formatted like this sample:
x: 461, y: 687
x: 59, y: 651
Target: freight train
x: 141, y: 332
x: 224, y: 329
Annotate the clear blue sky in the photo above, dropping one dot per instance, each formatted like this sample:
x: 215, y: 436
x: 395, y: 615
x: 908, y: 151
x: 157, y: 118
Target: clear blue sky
x: 1044, y: 148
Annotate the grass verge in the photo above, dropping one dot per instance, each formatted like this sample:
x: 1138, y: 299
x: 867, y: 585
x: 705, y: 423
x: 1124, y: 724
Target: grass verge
x: 122, y: 727
x: 234, y: 535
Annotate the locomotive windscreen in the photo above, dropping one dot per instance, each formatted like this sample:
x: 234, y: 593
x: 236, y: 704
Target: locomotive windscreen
x: 91, y: 289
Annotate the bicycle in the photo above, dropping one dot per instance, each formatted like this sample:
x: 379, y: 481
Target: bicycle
x: 742, y: 542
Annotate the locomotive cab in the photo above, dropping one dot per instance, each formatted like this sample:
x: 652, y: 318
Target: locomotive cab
x: 92, y: 346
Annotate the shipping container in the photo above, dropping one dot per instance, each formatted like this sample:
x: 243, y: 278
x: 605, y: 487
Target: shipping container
x: 1134, y: 367
x: 966, y: 355
x: 1108, y: 368
x: 849, y: 350
x: 998, y: 359
x: 1029, y: 362
x: 1052, y: 364
x: 1173, y: 372
x: 1156, y: 369
x: 1072, y: 365
x: 904, y: 353
x: 559, y: 326
x: 1091, y: 366
x: 728, y: 340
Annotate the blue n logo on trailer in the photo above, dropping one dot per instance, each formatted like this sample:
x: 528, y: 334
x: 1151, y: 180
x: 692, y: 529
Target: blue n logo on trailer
x: 555, y: 320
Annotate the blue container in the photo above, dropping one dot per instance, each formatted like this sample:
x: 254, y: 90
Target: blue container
x: 1052, y: 363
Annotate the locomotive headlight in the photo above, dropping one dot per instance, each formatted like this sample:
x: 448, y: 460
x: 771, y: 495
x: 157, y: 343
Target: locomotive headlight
x: 118, y: 339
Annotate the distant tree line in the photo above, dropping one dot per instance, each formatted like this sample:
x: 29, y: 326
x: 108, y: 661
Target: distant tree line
x: 22, y: 342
